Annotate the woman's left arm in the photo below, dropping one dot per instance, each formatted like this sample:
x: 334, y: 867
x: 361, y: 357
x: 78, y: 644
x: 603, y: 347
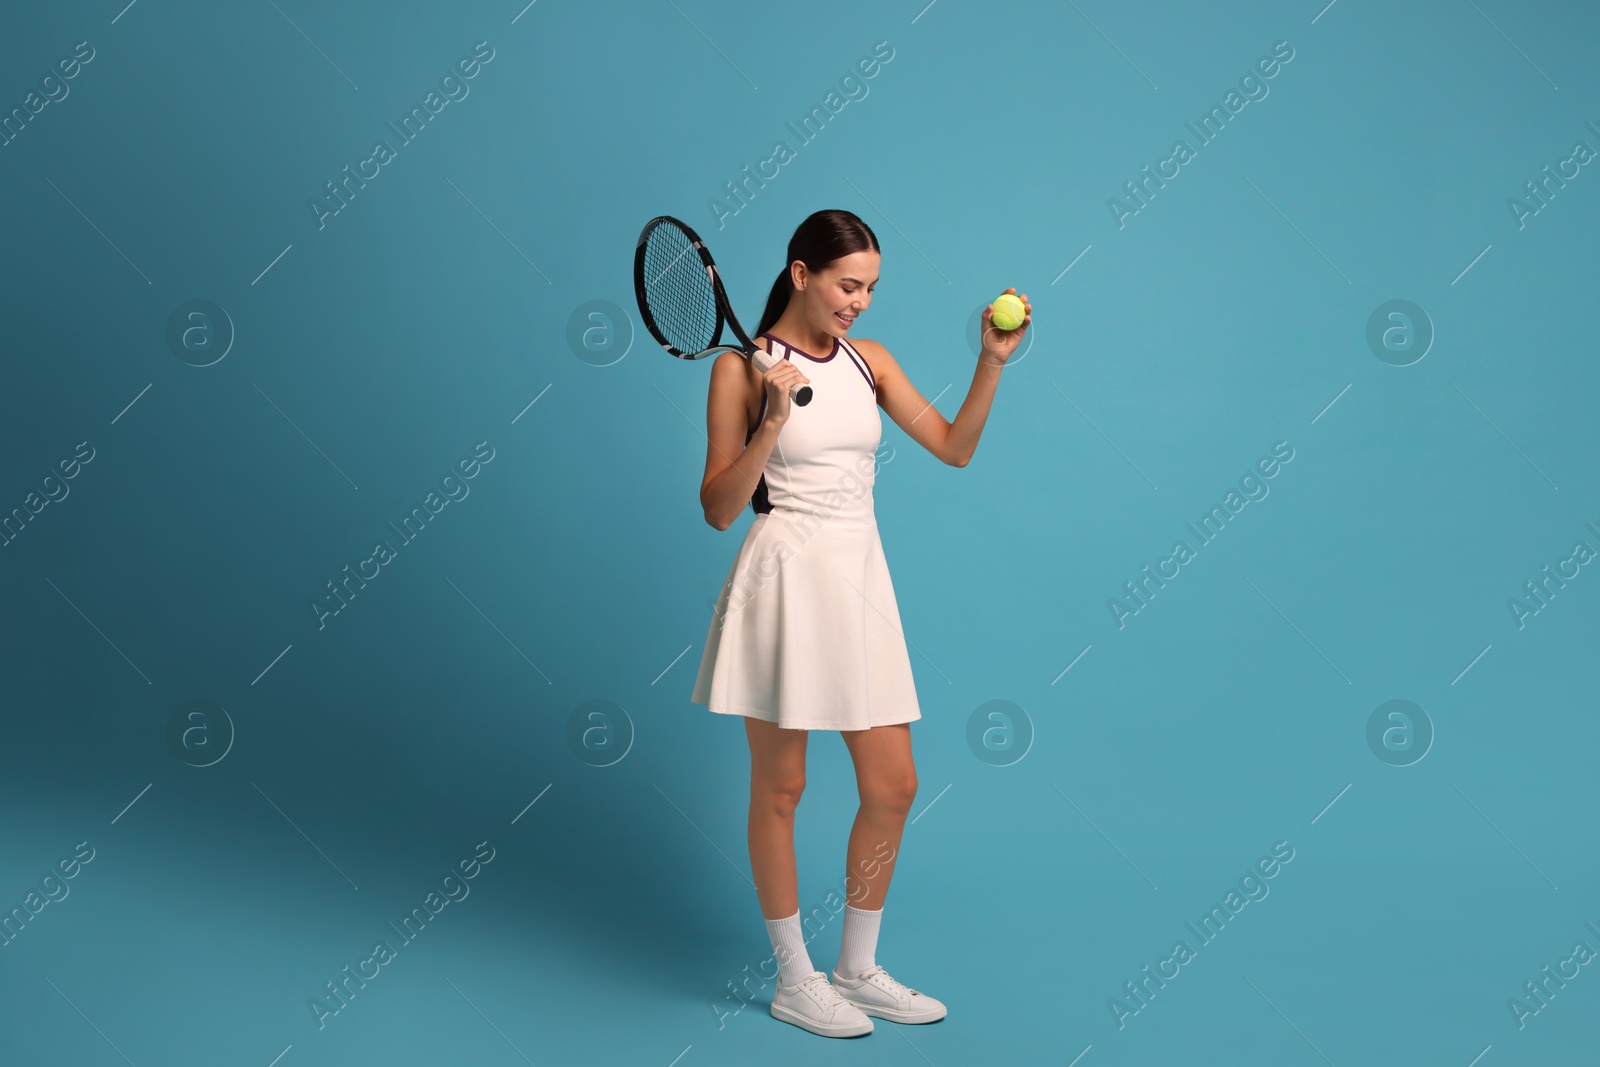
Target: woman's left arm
x: 951, y: 442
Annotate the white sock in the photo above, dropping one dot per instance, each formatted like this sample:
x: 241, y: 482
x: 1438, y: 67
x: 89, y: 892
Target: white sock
x: 789, y: 947
x: 860, y: 941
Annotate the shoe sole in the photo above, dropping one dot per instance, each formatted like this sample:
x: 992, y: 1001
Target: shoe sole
x: 896, y: 1016
x: 789, y: 1015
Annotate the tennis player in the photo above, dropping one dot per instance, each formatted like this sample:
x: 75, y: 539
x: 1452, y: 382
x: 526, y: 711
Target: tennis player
x: 806, y: 633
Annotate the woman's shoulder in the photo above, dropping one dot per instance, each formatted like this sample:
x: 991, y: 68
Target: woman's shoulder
x: 734, y: 364
x: 877, y: 357
x: 729, y: 358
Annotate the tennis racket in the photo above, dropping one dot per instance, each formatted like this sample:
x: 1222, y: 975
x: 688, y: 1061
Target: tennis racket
x: 682, y: 301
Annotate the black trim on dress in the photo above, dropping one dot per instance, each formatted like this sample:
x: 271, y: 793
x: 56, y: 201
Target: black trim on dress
x: 808, y: 355
x: 861, y: 365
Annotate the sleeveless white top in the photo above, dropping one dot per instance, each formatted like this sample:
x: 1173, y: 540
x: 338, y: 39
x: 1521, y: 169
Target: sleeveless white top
x: 823, y: 464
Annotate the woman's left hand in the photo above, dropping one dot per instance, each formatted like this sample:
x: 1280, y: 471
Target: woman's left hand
x: 998, y: 344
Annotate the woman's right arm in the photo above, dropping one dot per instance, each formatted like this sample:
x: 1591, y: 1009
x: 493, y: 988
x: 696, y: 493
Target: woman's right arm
x: 733, y: 468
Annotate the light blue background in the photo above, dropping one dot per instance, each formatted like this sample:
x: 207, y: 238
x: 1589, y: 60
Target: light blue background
x: 1227, y: 315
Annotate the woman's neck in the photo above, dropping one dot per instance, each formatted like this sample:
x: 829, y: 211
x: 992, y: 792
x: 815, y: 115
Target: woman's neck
x: 794, y: 331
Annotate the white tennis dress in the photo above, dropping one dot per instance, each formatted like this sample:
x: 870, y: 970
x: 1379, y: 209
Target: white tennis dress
x: 806, y: 632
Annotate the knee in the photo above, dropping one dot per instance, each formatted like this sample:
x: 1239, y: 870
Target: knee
x: 894, y: 793
x: 779, y: 797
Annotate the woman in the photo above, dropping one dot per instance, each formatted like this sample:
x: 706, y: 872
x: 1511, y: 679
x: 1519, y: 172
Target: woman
x: 806, y: 633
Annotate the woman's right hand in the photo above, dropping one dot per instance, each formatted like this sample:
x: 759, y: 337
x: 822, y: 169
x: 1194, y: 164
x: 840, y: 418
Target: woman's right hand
x: 780, y: 379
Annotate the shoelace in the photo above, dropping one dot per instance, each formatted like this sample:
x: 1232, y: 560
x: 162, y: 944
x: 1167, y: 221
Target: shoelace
x: 828, y: 995
x: 895, y: 985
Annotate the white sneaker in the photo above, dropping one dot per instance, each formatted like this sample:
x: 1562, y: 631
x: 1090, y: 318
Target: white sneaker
x: 875, y: 993
x: 812, y: 1004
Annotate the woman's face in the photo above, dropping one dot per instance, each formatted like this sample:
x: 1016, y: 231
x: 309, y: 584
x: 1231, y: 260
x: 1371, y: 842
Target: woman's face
x: 835, y: 296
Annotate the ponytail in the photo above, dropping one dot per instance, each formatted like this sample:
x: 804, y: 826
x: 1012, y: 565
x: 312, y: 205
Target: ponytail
x: 825, y: 236
x: 777, y: 301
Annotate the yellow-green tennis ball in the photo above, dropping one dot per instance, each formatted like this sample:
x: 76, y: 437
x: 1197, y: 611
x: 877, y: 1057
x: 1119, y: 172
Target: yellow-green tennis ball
x: 1007, y: 312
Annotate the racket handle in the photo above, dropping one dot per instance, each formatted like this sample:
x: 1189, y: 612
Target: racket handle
x: 800, y: 395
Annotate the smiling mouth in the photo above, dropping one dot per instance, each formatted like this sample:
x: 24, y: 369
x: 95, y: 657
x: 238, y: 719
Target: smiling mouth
x: 843, y: 319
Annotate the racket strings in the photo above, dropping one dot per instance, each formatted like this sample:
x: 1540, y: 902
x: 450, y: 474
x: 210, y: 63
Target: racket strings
x: 678, y: 291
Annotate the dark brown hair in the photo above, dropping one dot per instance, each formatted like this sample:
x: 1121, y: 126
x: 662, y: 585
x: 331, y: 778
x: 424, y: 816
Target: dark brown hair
x: 825, y: 236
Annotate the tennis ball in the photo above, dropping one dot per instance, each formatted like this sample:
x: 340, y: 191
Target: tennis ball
x: 1007, y: 312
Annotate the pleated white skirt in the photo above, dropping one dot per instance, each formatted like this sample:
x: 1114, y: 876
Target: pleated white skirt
x: 806, y: 632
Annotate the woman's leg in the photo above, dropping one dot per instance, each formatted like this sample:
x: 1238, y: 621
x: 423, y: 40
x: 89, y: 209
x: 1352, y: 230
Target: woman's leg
x: 886, y: 781
x: 777, y: 778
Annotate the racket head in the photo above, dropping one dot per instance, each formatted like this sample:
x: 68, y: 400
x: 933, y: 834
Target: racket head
x: 681, y: 297
x: 676, y: 286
